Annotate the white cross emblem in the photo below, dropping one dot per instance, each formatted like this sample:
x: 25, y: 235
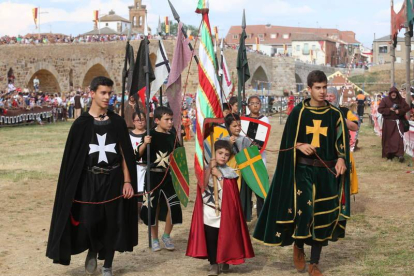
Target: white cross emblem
x: 102, y: 148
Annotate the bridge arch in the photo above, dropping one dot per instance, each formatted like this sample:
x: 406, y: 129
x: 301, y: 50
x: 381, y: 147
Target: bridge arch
x: 95, y: 68
x: 48, y: 78
x: 300, y: 84
x: 259, y: 75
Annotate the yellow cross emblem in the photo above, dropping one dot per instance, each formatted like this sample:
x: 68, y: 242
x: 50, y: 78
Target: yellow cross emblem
x: 316, y: 130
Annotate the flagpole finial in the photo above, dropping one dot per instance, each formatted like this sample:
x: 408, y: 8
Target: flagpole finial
x: 244, y: 20
x: 174, y: 12
x: 159, y: 29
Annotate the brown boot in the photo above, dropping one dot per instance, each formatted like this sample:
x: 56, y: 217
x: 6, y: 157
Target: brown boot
x: 313, y: 270
x: 299, y: 258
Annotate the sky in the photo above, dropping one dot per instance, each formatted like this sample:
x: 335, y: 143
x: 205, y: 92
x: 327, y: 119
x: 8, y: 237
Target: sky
x: 364, y: 17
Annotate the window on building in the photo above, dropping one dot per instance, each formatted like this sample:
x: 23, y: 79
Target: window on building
x: 235, y: 36
x: 273, y: 36
x: 260, y: 35
x: 297, y: 48
x: 140, y: 21
x: 285, y: 36
x: 305, y: 50
x: 398, y: 60
x: 134, y: 21
x: 398, y: 48
x: 383, y: 49
x: 313, y: 47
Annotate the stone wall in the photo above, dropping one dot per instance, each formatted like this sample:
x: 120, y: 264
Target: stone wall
x: 59, y: 65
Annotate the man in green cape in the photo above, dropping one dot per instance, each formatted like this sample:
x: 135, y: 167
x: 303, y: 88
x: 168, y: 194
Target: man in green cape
x: 308, y: 201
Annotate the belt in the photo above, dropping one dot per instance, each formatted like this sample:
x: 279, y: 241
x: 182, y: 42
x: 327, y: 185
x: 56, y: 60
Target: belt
x: 316, y: 162
x: 158, y: 170
x: 99, y: 170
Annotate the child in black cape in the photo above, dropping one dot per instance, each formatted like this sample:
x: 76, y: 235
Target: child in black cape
x: 98, y: 165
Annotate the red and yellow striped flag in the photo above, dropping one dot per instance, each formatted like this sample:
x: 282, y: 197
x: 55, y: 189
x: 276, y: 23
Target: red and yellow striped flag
x: 96, y: 17
x: 35, y: 13
x: 167, y: 25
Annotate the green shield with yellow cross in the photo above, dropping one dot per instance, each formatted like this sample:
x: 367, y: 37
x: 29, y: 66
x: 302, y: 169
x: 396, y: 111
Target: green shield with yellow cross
x: 179, y: 175
x: 253, y: 170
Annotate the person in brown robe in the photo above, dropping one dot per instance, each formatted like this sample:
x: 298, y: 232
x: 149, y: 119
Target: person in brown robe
x: 129, y: 109
x: 393, y: 109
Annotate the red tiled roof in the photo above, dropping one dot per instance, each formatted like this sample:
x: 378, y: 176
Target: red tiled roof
x: 279, y: 35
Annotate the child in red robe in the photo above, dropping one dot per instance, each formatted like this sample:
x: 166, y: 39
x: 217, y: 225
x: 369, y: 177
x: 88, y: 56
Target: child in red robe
x: 223, y: 239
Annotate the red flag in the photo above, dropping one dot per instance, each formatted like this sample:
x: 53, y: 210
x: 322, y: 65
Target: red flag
x: 397, y: 21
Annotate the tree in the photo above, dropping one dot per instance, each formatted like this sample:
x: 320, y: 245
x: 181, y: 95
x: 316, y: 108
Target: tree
x: 174, y: 27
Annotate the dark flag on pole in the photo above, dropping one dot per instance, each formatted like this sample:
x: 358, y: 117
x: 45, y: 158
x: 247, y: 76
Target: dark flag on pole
x: 138, y: 84
x: 243, y: 71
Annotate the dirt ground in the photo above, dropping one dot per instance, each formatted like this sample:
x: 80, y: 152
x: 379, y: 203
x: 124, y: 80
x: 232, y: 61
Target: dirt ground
x: 380, y: 234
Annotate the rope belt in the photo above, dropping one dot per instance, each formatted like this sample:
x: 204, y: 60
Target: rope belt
x: 316, y: 162
x: 100, y: 170
x: 158, y: 170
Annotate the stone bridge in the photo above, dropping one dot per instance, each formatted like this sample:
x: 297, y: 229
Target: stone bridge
x: 61, y: 66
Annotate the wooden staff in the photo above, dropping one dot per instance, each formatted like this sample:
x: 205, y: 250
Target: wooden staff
x: 213, y: 155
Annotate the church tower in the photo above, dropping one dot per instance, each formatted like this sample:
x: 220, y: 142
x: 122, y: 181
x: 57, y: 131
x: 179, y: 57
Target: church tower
x: 137, y: 16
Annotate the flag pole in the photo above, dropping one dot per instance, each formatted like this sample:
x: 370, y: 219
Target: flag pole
x: 148, y: 93
x: 124, y: 73
x: 243, y: 111
x: 213, y: 155
x: 408, y: 60
x: 159, y: 31
x: 392, y: 54
x: 222, y: 70
x: 177, y: 18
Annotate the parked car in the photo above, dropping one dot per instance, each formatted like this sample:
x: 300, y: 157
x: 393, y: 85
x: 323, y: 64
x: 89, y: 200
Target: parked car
x: 341, y: 65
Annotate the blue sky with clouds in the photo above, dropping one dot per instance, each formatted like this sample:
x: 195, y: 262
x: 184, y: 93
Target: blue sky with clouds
x: 364, y: 17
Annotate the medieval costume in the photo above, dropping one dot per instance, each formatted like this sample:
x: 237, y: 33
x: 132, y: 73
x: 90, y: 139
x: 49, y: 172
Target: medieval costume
x: 291, y: 104
x: 265, y: 119
x: 393, y: 128
x: 306, y: 203
x: 164, y: 195
x: 186, y: 123
x: 222, y: 239
x: 350, y: 116
x: 91, y: 171
x: 137, y: 140
x: 241, y: 143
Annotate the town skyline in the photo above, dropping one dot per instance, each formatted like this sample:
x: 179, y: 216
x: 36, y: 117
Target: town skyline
x: 366, y: 21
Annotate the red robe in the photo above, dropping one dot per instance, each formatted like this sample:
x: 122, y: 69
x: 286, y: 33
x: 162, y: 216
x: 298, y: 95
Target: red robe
x: 234, y: 243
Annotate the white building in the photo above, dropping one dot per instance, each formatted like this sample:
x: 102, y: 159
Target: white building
x: 114, y: 22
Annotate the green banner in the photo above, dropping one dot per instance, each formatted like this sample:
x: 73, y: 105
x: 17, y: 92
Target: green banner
x: 253, y: 170
x: 179, y: 175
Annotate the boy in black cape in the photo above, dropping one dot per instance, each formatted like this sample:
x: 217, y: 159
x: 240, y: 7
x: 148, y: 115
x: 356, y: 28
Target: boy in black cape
x: 98, y: 165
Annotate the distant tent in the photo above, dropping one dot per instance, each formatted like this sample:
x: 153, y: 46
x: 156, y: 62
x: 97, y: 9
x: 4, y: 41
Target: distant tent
x: 344, y: 85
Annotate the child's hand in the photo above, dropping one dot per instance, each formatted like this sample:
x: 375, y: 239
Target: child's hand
x: 215, y: 172
x: 213, y: 163
x: 147, y: 140
x: 233, y: 139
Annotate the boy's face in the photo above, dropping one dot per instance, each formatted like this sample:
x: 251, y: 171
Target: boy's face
x: 165, y: 123
x: 235, y: 108
x: 139, y: 123
x: 101, y: 96
x: 222, y: 156
x: 254, y: 106
x: 226, y: 112
x: 235, y: 128
x: 318, y: 91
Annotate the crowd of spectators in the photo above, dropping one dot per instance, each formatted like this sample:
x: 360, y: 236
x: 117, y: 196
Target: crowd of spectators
x: 59, y: 39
